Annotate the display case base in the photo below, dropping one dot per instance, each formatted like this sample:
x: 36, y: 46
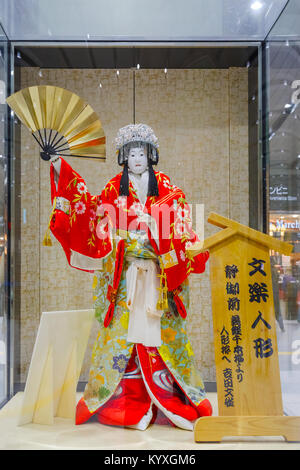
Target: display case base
x: 214, y: 428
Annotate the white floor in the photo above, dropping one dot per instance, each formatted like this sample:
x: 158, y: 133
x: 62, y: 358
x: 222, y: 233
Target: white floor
x: 64, y: 435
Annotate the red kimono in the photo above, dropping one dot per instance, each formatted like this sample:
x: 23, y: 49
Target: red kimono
x: 85, y: 226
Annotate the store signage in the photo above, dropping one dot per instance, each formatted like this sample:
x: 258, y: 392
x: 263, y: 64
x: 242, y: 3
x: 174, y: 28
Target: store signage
x: 280, y: 193
x: 283, y: 194
x: 281, y: 224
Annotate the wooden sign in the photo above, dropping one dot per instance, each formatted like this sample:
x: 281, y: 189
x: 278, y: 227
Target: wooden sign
x: 247, y: 367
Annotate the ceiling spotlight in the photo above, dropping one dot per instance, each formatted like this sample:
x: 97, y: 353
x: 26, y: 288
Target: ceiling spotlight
x: 166, y: 70
x: 138, y: 66
x: 118, y: 72
x: 100, y: 85
x: 256, y: 5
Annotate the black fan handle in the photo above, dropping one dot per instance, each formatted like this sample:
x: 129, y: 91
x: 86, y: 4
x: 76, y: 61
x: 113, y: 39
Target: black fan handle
x: 48, y: 150
x: 45, y: 156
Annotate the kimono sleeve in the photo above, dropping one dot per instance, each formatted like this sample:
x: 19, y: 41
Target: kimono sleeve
x: 198, y: 262
x: 189, y: 237
x: 74, y: 220
x: 176, y: 264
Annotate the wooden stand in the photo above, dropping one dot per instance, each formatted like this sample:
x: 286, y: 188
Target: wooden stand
x: 247, y: 367
x: 55, y: 366
x: 214, y: 428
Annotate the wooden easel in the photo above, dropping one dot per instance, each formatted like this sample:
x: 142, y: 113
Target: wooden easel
x: 247, y: 367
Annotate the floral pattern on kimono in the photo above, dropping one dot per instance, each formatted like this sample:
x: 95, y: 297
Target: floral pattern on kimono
x: 111, y: 350
x: 74, y: 222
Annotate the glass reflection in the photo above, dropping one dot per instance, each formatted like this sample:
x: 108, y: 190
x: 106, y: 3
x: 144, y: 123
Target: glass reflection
x: 284, y: 210
x: 228, y: 20
x: 3, y: 237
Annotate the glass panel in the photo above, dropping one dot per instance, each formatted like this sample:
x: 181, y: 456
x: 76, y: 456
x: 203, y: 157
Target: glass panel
x: 189, y: 97
x: 288, y: 24
x: 197, y: 20
x: 284, y: 208
x: 3, y: 221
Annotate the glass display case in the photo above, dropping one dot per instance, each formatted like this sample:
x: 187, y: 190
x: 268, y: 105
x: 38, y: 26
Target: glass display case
x: 203, y: 101
x: 4, y: 218
x: 282, y: 151
x: 219, y: 89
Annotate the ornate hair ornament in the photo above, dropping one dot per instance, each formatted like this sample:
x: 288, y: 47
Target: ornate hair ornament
x: 136, y: 133
x: 139, y: 135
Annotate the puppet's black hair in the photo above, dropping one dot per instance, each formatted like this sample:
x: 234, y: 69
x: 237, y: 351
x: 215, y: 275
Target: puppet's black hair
x: 152, y: 184
x: 124, y: 183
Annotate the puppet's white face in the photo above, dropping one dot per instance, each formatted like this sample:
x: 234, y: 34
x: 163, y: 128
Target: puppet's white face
x: 137, y: 160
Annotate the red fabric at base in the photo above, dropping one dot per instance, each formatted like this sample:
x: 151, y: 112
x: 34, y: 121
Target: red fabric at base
x: 204, y: 408
x: 160, y: 418
x: 82, y: 412
x: 131, y: 400
x: 163, y: 386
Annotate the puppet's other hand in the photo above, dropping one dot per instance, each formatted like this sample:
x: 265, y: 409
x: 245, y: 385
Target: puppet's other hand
x: 192, y: 249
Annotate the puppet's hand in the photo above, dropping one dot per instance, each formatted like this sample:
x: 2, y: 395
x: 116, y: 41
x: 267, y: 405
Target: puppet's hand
x: 56, y: 162
x: 192, y: 249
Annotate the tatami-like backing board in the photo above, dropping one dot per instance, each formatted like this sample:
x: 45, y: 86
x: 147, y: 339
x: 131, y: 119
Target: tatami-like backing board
x: 201, y: 120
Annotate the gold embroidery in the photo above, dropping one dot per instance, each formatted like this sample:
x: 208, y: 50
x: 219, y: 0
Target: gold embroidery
x: 162, y: 303
x: 169, y: 259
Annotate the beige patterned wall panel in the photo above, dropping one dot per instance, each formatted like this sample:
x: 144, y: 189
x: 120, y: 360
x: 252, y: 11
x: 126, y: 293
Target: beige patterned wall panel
x: 201, y: 128
x: 30, y: 249
x: 238, y: 141
x: 57, y: 286
x: 190, y: 113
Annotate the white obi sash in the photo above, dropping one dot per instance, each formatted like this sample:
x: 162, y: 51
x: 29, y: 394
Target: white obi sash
x: 142, y: 284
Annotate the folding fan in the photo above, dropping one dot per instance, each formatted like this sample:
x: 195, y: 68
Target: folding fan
x: 60, y: 121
